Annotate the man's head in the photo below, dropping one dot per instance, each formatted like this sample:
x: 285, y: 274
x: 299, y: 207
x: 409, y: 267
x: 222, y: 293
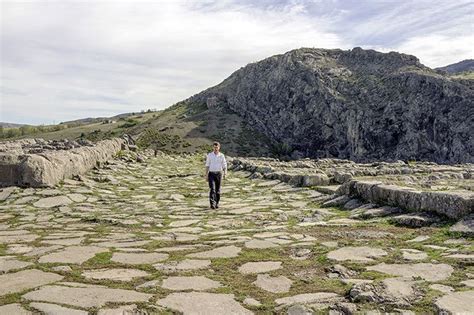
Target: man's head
x: 216, y: 146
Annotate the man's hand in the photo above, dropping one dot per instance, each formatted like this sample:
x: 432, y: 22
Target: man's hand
x: 224, y: 175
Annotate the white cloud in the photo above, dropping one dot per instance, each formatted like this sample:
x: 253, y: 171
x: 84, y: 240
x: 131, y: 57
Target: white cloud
x: 63, y: 60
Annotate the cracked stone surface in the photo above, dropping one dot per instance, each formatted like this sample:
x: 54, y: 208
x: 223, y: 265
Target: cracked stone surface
x: 198, y: 283
x: 143, y: 234
x: 91, y: 296
x: 206, y: 303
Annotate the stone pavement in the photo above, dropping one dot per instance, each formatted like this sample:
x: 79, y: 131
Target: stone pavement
x: 135, y: 237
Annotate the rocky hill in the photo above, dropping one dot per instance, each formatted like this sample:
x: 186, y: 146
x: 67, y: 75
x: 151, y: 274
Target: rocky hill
x: 459, y: 67
x: 356, y: 104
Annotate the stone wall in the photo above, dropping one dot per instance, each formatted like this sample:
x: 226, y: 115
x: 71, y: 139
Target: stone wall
x: 19, y: 167
x: 453, y: 204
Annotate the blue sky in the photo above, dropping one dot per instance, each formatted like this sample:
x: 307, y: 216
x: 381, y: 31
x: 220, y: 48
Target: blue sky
x: 63, y: 60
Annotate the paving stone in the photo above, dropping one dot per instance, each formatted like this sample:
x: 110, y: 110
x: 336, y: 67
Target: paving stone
x: 122, y: 310
x: 309, y: 298
x: 17, y: 236
x: 469, y: 283
x: 116, y: 274
x: 456, y: 303
x: 418, y: 239
x: 206, y: 303
x: 65, y: 241
x: 259, y: 267
x: 6, y: 192
x: 76, y: 197
x: 52, y: 202
x: 183, y: 223
x: 268, y: 283
x: 464, y: 226
x: 260, y: 244
x: 428, y: 272
x: 413, y: 254
x: 87, y: 297
x: 14, y: 309
x: 442, y: 288
x: 138, y: 258
x: 220, y: 252
x: 187, y: 264
x: 252, y: 302
x: 18, y: 249
x: 361, y: 254
x: 72, y: 255
x: 198, y: 283
x: 8, y: 263
x: 53, y: 309
x: 26, y: 279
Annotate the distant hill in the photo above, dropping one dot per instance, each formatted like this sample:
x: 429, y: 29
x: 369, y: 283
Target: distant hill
x: 10, y: 125
x: 459, y: 67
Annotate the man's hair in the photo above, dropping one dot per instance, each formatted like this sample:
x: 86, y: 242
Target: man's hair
x: 216, y: 143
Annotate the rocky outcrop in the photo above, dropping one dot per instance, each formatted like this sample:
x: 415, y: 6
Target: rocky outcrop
x: 355, y: 104
x: 51, y: 165
x: 453, y: 204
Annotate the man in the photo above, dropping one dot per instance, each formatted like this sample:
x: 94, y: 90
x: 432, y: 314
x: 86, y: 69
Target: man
x: 216, y: 169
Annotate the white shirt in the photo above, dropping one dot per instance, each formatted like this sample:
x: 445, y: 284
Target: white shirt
x: 216, y: 162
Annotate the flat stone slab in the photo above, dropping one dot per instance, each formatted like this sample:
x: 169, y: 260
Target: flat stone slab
x: 183, y: 223
x: 307, y: 298
x: 116, y: 274
x: 8, y: 263
x: 138, y: 258
x: 456, y: 303
x: 51, y: 202
x: 72, y: 255
x: 220, y: 252
x: 413, y: 254
x: 198, y: 283
x: 53, y: 309
x: 26, y: 279
x: 187, y: 264
x: 90, y: 296
x: 259, y: 267
x: 122, y: 310
x: 260, y: 244
x: 268, y: 283
x: 361, y: 254
x: 465, y: 226
x: 203, y: 303
x: 429, y: 272
x: 14, y: 308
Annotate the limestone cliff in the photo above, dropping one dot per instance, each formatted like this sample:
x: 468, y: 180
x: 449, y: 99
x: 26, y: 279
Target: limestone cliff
x: 357, y: 104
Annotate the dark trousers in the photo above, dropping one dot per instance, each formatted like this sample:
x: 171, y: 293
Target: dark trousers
x: 215, y: 186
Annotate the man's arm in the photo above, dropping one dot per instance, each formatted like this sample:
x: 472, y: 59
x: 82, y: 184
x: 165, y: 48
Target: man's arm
x: 206, y: 175
x: 224, y: 166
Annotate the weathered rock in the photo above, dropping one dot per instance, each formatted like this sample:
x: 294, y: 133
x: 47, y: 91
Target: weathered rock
x: 52, y: 202
x: 116, y: 274
x: 415, y: 220
x: 456, y: 303
x: 426, y: 271
x: 187, y: 264
x: 220, y: 252
x: 53, y: 309
x: 362, y: 254
x: 86, y: 297
x: 26, y: 279
x: 50, y: 167
x: 309, y: 298
x: 8, y: 263
x: 198, y: 283
x: 464, y: 226
x: 268, y: 283
x: 72, y: 255
x: 138, y: 258
x: 259, y: 267
x: 206, y: 303
x: 15, y: 308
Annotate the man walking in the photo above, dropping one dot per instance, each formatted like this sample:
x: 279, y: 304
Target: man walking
x: 216, y: 169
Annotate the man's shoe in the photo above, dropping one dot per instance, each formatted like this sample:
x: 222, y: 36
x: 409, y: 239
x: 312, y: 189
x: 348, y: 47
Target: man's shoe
x: 213, y: 207
x: 217, y: 206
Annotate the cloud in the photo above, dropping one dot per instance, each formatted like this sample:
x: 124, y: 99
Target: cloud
x: 115, y: 57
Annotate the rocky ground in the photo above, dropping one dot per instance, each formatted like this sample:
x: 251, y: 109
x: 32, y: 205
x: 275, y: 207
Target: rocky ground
x: 140, y: 237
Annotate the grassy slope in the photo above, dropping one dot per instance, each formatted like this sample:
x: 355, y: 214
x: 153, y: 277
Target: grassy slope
x: 182, y: 127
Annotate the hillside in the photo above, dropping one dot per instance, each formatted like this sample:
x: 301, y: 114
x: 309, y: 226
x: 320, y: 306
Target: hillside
x: 355, y: 104
x: 459, y: 67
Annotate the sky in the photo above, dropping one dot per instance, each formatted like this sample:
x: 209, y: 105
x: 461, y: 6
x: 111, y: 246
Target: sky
x: 69, y: 59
